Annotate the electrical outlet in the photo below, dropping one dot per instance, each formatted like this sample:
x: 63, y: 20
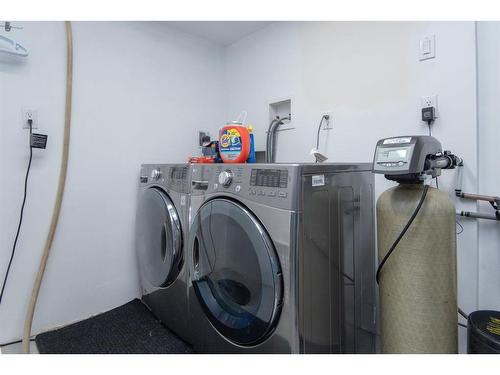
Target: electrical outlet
x: 430, y: 101
x: 201, y: 135
x: 327, y: 124
x: 27, y: 114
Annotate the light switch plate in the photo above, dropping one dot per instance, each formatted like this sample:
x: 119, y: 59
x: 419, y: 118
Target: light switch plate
x: 427, y: 48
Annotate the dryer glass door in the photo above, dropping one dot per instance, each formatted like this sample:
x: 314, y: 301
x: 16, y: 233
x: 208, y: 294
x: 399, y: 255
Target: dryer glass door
x: 235, y: 272
x: 159, y: 238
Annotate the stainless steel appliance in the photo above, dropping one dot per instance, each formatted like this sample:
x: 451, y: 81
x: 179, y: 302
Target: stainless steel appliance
x: 161, y: 230
x: 281, y: 258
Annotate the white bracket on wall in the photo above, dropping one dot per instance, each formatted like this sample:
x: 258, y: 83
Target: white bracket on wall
x: 11, y: 47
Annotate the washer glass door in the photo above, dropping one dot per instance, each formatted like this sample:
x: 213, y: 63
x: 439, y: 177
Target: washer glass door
x: 159, y: 238
x: 235, y: 272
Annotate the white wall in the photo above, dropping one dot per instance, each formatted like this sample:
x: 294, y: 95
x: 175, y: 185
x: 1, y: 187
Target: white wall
x: 141, y: 91
x: 369, y: 75
x: 488, y: 37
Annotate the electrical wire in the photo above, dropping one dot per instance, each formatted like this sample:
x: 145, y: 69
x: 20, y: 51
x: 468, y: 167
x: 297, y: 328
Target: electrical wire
x: 30, y: 123
x: 403, y: 232
x: 464, y: 315
x: 15, y: 342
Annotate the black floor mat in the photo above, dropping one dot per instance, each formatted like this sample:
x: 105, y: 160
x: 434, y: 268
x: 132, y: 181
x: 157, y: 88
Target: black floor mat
x: 128, y: 329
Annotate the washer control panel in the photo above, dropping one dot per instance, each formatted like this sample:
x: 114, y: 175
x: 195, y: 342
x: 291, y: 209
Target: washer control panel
x: 267, y: 183
x: 272, y: 178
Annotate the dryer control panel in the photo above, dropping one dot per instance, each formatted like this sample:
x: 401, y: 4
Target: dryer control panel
x: 170, y: 176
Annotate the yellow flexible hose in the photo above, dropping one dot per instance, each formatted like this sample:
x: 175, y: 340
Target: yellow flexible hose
x: 60, y: 190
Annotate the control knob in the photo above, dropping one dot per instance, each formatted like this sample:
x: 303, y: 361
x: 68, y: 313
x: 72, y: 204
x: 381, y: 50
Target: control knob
x: 155, y: 174
x: 225, y: 178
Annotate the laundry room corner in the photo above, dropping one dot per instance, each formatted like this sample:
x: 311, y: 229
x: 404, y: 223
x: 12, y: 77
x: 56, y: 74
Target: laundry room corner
x: 129, y: 95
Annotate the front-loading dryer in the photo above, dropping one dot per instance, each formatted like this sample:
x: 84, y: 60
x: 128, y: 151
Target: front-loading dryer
x: 161, y: 231
x: 281, y: 258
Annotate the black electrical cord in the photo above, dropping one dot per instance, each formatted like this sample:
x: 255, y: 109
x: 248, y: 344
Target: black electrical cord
x: 403, y: 232
x: 464, y: 315
x: 15, y: 342
x: 30, y: 123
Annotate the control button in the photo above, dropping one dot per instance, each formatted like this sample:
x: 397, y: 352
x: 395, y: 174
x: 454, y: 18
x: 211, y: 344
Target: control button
x: 144, y: 179
x: 271, y: 194
x: 216, y: 185
x: 261, y: 192
x: 252, y: 192
x: 401, y: 163
x: 282, y: 194
x: 237, y: 188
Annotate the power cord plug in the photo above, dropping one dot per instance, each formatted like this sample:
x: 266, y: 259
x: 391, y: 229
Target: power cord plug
x: 429, y: 116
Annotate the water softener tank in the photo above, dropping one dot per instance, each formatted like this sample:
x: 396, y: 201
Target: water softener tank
x: 418, y: 284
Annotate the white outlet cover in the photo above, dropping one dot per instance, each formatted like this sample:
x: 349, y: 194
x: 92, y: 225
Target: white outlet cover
x: 23, y: 115
x: 430, y: 101
x: 327, y: 125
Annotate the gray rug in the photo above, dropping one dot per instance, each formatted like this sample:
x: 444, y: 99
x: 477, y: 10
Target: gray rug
x: 128, y: 329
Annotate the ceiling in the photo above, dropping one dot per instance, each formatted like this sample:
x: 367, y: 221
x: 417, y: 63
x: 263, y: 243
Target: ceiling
x: 221, y: 32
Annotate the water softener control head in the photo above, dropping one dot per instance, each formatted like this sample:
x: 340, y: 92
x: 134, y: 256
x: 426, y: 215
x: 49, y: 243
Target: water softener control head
x: 412, y: 159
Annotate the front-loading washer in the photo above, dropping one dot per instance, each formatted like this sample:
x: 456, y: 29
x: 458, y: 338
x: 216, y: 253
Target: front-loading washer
x: 161, y: 233
x: 281, y: 258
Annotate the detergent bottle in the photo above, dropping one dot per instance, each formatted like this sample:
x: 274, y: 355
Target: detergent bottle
x: 251, y: 156
x: 234, y: 143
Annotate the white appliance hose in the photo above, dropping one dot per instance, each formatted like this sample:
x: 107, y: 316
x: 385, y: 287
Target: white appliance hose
x: 60, y: 190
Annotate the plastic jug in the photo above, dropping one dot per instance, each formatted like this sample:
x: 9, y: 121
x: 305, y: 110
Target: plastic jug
x: 234, y: 143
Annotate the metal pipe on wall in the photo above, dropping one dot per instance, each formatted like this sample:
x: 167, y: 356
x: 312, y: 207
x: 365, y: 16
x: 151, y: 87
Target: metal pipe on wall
x: 271, y: 138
